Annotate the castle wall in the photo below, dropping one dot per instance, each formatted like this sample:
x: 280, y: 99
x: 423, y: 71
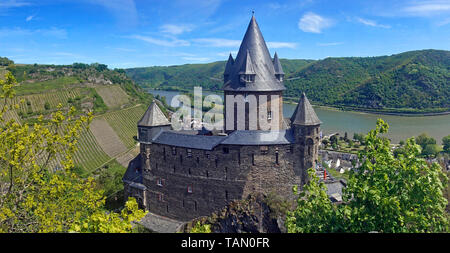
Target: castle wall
x: 215, y: 177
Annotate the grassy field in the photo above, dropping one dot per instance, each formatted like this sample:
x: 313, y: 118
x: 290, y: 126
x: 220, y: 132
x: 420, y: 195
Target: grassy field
x: 124, y: 123
x: 113, y: 95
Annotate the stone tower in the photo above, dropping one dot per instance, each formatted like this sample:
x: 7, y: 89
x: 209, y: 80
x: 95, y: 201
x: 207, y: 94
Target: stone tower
x: 151, y: 124
x: 256, y: 79
x: 306, y: 127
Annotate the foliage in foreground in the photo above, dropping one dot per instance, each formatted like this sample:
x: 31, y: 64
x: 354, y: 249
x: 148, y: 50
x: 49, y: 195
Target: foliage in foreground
x: 385, y: 194
x: 39, y: 192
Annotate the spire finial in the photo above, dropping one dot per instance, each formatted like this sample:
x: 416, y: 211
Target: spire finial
x: 253, y: 13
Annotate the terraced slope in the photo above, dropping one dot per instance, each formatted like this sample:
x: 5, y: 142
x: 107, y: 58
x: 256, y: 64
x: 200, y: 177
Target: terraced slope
x: 107, y: 138
x: 113, y: 95
x: 89, y: 155
x: 124, y: 123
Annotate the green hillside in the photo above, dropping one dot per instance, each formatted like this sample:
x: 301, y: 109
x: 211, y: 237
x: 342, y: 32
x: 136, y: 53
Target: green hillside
x: 410, y: 82
x: 110, y: 94
x: 185, y: 77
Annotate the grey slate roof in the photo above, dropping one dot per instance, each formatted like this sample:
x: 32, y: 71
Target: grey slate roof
x: 262, y: 64
x: 133, y: 176
x: 181, y: 139
x: 304, y: 114
x: 252, y: 137
x: 153, y: 117
x: 229, y: 65
x: 247, y: 67
x: 161, y: 224
x: 277, y: 65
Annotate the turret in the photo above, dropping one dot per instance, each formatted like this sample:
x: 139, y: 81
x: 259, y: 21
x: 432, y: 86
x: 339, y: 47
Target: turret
x: 279, y: 74
x: 151, y: 124
x: 228, y: 68
x: 252, y: 75
x: 306, y: 127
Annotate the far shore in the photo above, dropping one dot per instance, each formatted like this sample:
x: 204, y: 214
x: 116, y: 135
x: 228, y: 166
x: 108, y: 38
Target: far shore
x: 338, y: 108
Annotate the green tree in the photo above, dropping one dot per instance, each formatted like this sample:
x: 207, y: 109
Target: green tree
x: 314, y: 213
x: 199, y: 228
x: 39, y: 191
x: 47, y: 106
x: 384, y: 194
x: 446, y: 143
x: 424, y: 139
x: 325, y: 142
x: 431, y: 150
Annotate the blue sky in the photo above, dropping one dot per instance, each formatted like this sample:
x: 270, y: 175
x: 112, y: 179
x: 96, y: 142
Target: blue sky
x: 138, y: 33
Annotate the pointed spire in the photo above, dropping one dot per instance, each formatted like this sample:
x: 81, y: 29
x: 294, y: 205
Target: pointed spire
x: 229, y: 65
x: 247, y: 67
x: 277, y: 65
x: 304, y: 114
x: 253, y: 54
x: 153, y: 117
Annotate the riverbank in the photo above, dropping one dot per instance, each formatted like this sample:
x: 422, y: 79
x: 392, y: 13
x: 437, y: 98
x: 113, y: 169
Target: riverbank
x: 407, y: 112
x: 404, y: 112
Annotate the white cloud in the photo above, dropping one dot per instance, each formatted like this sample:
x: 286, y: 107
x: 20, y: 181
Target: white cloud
x: 313, y: 23
x: 199, y: 59
x: 29, y: 18
x: 330, y: 44
x: 216, y: 42
x: 176, y: 29
x: 13, y: 3
x: 51, y: 32
x: 371, y: 23
x: 165, y: 43
x: 275, y: 44
x: 427, y: 8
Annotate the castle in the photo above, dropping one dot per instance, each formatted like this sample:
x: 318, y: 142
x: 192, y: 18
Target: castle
x: 187, y: 174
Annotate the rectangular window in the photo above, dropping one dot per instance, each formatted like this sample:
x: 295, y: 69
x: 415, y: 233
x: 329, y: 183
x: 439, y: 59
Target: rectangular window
x: 174, y: 151
x: 226, y: 150
x: 189, y: 152
x: 253, y: 159
x: 264, y: 150
x: 189, y: 189
x: 160, y: 182
x: 269, y: 115
x: 160, y: 197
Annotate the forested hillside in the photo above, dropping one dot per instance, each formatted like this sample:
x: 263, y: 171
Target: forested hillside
x: 415, y: 81
x: 185, y: 77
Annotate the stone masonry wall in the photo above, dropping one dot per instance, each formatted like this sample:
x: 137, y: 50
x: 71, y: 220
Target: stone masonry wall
x: 187, y: 183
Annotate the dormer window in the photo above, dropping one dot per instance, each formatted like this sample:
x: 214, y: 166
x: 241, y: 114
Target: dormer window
x: 279, y: 77
x: 247, y: 78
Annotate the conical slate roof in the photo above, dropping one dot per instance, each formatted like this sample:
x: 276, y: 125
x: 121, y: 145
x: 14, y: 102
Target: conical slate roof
x: 247, y: 67
x: 253, y: 47
x: 304, y: 114
x: 277, y: 65
x: 229, y: 65
x: 153, y: 117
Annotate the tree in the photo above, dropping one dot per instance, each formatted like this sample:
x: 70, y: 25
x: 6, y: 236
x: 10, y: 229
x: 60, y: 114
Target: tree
x: 314, y: 213
x: 384, y: 194
x: 39, y: 191
x: 424, y: 139
x: 431, y: 150
x: 325, y: 142
x: 446, y: 143
x: 47, y: 106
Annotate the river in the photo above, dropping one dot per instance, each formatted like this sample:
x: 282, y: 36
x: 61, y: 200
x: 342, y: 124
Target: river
x: 400, y: 127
